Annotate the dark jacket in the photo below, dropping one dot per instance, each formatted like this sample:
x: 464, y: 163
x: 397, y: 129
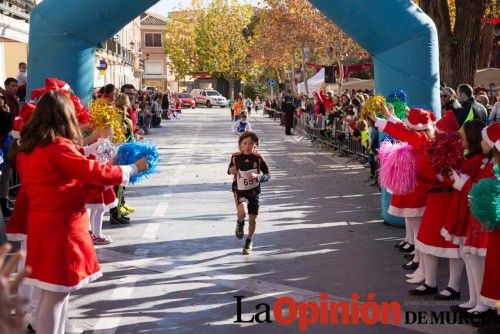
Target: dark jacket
x: 478, y: 110
x: 165, y: 103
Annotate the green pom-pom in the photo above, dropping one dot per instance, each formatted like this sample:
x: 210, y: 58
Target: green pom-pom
x: 484, y: 200
x: 399, y: 109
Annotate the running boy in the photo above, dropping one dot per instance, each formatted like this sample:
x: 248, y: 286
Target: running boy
x: 249, y: 170
x: 241, y: 125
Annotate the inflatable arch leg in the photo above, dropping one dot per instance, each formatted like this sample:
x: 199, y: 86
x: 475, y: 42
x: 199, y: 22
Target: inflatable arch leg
x: 403, y: 42
x: 63, y: 36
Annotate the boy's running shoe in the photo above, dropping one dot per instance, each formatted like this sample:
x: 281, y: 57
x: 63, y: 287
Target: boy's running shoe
x: 248, y: 247
x: 239, y: 229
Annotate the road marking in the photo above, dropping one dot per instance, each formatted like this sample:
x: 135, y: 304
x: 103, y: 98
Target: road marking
x: 123, y: 291
x: 150, y: 231
x: 143, y: 252
x: 161, y: 209
x: 256, y: 286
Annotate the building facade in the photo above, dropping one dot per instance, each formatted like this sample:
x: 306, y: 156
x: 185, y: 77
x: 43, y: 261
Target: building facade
x: 14, y: 32
x: 120, y: 55
x: 156, y: 73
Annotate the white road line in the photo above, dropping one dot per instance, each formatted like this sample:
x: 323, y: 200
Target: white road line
x: 141, y: 252
x: 161, y: 209
x: 150, y: 231
x: 124, y: 290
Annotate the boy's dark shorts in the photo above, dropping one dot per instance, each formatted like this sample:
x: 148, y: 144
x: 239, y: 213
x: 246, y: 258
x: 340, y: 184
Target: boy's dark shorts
x: 252, y: 199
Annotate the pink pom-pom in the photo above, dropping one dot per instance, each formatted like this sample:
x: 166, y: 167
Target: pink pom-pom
x: 386, y: 148
x: 398, y: 172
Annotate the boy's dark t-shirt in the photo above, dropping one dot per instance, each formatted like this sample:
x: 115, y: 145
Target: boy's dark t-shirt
x: 246, y: 164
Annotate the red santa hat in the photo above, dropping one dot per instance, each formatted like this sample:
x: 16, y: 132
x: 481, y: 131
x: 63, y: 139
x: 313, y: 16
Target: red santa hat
x: 433, y: 117
x: 36, y: 94
x: 56, y: 84
x: 448, y: 123
x: 491, y: 134
x: 418, y: 119
x: 25, y: 114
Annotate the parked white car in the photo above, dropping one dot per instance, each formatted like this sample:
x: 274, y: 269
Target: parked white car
x: 209, y: 98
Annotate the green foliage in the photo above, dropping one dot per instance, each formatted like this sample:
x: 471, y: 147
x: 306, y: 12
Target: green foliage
x: 215, y: 40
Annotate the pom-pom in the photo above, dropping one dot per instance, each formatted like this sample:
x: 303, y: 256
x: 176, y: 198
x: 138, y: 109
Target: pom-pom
x: 446, y: 152
x: 398, y: 171
x: 386, y: 148
x: 129, y: 153
x: 398, y: 95
x: 372, y: 105
x: 104, y: 115
x: 484, y: 200
x: 105, y: 151
x: 399, y: 109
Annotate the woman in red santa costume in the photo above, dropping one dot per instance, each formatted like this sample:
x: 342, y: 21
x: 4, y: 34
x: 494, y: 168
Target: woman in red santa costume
x: 459, y: 230
x: 490, y: 293
x: 482, y: 274
x: 417, y: 134
x: 56, y: 195
x: 429, y: 240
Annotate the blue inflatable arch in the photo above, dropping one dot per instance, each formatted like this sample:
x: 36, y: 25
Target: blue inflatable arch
x: 401, y: 38
x: 64, y: 33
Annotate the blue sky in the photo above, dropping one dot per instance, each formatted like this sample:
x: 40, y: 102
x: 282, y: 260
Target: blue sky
x: 164, y: 6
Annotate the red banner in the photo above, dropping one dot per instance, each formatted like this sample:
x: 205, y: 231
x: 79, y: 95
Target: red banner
x: 202, y: 75
x: 347, y: 69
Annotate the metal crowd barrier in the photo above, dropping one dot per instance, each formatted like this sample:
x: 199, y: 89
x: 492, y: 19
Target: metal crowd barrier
x: 338, y: 137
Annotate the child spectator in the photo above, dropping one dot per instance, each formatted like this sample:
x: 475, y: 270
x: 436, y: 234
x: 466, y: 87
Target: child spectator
x: 241, y: 125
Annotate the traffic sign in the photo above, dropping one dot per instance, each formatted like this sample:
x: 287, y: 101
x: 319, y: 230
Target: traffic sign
x: 271, y: 83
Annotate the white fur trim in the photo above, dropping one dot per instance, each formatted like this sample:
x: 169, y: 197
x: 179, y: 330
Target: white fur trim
x: 406, y: 212
x: 486, y: 138
x: 452, y: 238
x: 417, y: 127
x: 497, y: 144
x: 490, y: 302
x: 475, y: 251
x: 394, y: 119
x: 381, y: 124
x: 127, y: 172
x: 450, y: 253
x: 94, y: 206
x: 16, y: 236
x: 114, y: 204
x: 62, y: 288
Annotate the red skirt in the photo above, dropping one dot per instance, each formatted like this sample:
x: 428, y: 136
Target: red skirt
x: 490, y: 292
x: 476, y: 240
x: 16, y: 228
x: 437, y: 213
x: 455, y: 230
x: 410, y: 205
x: 60, y: 251
x: 100, y: 197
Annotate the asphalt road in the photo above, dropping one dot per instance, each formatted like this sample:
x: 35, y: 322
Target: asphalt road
x: 178, y: 267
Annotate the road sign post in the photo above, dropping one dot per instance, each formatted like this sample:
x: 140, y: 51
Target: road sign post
x: 271, y: 83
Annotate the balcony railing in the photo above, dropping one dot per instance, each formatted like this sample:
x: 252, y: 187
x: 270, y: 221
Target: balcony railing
x: 17, y: 9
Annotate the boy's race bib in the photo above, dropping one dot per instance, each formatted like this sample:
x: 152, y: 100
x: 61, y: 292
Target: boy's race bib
x: 245, y: 181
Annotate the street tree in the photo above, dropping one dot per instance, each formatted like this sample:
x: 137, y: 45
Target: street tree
x: 459, y: 24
